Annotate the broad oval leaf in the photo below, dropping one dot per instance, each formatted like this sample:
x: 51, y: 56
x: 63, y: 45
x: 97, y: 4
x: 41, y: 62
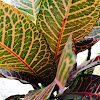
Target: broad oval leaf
x: 22, y: 46
x: 60, y: 18
x: 84, y: 87
x: 66, y: 61
x: 90, y: 39
x: 28, y: 7
x: 41, y: 94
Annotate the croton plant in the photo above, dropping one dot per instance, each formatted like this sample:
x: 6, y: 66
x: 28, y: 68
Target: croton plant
x: 39, y: 41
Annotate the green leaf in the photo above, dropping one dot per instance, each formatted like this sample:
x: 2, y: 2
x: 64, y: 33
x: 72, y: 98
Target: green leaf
x: 84, y: 87
x: 41, y: 94
x: 90, y: 39
x: 28, y: 7
x: 23, y: 47
x: 60, y: 18
x: 66, y: 61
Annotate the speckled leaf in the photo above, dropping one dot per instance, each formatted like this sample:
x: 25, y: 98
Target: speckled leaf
x: 66, y: 61
x: 22, y: 46
x: 90, y: 39
x: 84, y: 87
x: 28, y: 7
x: 23, y: 77
x: 86, y: 65
x: 41, y: 94
x: 60, y: 18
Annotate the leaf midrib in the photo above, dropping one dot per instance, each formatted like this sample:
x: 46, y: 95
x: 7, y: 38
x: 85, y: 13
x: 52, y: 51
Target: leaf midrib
x: 62, y: 30
x: 19, y: 59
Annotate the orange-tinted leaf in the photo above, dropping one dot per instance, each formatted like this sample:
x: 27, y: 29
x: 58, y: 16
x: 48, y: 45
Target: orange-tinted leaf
x: 60, y: 18
x: 23, y: 47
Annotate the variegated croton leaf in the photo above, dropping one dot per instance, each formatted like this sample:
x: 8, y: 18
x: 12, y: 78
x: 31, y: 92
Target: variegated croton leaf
x: 22, y: 46
x: 15, y: 97
x: 84, y: 87
x: 88, y: 65
x: 66, y: 61
x: 80, y: 96
x: 60, y: 18
x: 28, y: 7
x: 41, y: 94
x: 90, y: 39
x: 23, y: 77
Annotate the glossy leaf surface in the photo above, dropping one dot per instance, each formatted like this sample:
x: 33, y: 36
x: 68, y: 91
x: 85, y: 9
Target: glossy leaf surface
x: 22, y: 46
x: 60, y: 18
x: 28, y: 7
x: 66, y: 61
x: 90, y: 39
x: 84, y: 87
x: 41, y: 94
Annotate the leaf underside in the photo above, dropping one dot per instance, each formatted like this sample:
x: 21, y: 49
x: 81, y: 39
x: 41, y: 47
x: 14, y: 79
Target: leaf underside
x: 22, y: 46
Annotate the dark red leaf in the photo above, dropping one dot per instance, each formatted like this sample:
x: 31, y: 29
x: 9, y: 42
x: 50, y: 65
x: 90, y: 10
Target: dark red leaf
x: 88, y: 64
x: 90, y: 39
x: 23, y: 77
x: 86, y: 83
x: 84, y: 87
x: 15, y: 97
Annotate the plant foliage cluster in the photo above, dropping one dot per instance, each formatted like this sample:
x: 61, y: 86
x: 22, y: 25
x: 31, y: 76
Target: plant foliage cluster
x: 39, y: 41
